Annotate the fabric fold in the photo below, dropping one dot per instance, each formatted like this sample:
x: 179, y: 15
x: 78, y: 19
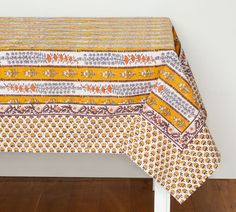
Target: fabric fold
x: 174, y: 104
x: 187, y: 154
x: 180, y: 171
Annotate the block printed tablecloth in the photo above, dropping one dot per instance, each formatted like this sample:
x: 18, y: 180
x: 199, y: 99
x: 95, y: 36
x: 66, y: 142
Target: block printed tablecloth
x: 105, y: 85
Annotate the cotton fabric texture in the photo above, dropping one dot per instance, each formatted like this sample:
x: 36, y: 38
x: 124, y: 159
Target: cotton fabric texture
x: 105, y: 85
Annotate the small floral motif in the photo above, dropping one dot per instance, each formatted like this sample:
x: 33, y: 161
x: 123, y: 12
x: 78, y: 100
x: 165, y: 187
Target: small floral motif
x: 108, y: 74
x: 98, y: 89
x: 179, y: 122
x: 183, y: 87
x: 127, y: 74
x: 59, y: 57
x: 50, y: 73
x: 151, y: 101
x: 165, y: 111
x: 88, y: 73
x: 30, y: 73
x: 137, y: 58
x: 159, y: 88
x: 147, y: 73
x: 167, y: 75
x: 69, y: 73
x: 11, y: 73
x: 21, y: 88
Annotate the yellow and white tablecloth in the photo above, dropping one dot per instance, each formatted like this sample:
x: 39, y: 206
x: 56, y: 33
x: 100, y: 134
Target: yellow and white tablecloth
x: 105, y: 85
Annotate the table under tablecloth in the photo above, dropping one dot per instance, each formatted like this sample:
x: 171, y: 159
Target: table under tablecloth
x: 105, y: 85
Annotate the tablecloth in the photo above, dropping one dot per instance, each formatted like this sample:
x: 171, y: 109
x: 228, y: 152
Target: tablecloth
x: 105, y: 85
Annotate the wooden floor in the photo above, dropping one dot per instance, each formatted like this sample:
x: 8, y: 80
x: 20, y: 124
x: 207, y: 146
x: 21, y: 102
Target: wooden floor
x: 213, y: 196
x: 106, y: 195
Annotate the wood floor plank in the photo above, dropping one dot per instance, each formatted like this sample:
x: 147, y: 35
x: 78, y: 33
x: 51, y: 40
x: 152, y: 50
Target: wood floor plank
x: 106, y: 195
x: 75, y: 194
x: 85, y: 196
x: 15, y: 196
x: 185, y: 207
x: 115, y: 196
x: 212, y: 196
x: 227, y: 188
x: 54, y: 197
x: 141, y: 200
x: 208, y: 198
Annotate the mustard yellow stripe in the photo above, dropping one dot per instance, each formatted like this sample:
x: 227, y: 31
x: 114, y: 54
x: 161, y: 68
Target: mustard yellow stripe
x: 8, y: 33
x: 167, y: 112
x: 178, y: 83
x: 73, y: 48
x: 77, y: 73
x: 88, y: 26
x: 78, y: 40
x: 76, y: 99
x: 84, y: 35
x: 89, y: 43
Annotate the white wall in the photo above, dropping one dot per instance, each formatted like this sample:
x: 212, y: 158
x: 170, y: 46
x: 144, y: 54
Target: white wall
x: 207, y: 30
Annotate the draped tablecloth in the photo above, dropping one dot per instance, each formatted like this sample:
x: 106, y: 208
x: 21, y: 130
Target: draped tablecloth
x: 105, y: 85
